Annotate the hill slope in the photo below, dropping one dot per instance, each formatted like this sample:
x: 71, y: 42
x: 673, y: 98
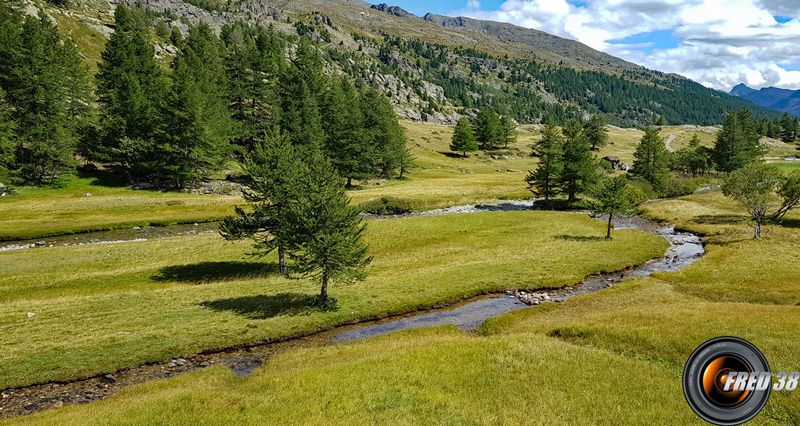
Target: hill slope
x: 437, y: 68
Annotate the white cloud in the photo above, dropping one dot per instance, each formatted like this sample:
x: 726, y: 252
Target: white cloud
x: 725, y: 42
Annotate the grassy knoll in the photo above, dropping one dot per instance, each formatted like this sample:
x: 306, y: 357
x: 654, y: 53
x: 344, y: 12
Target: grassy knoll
x: 101, y: 308
x: 63, y: 209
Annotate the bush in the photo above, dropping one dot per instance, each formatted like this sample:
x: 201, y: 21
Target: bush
x: 387, y: 205
x: 676, y: 187
x: 643, y: 189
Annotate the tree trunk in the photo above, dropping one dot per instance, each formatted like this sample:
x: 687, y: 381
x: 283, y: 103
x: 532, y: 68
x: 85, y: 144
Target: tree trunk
x: 282, y: 268
x: 349, y: 182
x: 323, y: 295
x: 608, y: 231
x: 757, y: 231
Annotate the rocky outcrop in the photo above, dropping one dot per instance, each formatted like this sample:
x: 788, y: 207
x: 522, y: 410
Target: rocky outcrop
x: 393, y: 10
x: 449, y: 118
x: 324, y: 20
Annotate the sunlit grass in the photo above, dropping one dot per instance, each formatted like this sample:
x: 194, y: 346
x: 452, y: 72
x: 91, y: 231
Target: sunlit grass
x: 101, y: 308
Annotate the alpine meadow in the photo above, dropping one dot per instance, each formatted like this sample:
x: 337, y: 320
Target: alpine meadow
x: 334, y: 212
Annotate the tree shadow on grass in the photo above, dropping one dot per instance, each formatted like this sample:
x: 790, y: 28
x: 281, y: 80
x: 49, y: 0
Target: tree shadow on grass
x: 450, y: 154
x: 584, y: 238
x: 207, y: 272
x: 720, y: 219
x: 269, y: 306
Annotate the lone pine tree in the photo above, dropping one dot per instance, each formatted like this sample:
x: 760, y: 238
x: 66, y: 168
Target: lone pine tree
x: 322, y: 231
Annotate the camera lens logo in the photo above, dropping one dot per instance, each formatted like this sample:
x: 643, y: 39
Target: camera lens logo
x: 727, y: 381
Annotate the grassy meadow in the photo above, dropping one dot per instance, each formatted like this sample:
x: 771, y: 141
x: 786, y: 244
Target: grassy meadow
x: 612, y: 357
x: 105, y: 307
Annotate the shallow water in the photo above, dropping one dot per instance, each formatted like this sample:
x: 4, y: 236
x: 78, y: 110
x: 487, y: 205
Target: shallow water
x: 465, y: 317
x: 117, y: 236
x: 684, y: 250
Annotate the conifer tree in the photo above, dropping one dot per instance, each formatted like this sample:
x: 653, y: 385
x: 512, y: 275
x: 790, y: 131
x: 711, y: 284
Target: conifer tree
x: 8, y: 146
x: 580, y: 168
x: 613, y: 197
x: 47, y: 86
x: 200, y: 126
x: 463, y: 139
x: 509, y: 130
x: 488, y: 129
x: 346, y: 143
x: 254, y: 61
x: 545, y: 180
x: 131, y: 91
x: 692, y: 160
x: 788, y: 128
x: 383, y: 131
x: 299, y: 113
x: 273, y: 172
x: 596, y: 132
x: 323, y: 232
x: 738, y: 143
x: 651, y: 159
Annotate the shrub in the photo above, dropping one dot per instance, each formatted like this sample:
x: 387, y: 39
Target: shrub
x: 387, y: 205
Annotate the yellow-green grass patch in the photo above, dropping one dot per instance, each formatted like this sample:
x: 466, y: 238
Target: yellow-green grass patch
x: 102, y: 308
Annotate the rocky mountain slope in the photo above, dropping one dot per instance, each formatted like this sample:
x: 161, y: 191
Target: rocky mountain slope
x: 771, y: 97
x: 436, y: 68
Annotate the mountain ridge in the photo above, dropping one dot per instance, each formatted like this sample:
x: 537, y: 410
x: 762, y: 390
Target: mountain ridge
x: 785, y: 100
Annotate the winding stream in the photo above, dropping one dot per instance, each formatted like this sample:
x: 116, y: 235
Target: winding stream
x: 684, y: 249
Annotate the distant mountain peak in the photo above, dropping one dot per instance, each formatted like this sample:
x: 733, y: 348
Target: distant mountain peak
x: 771, y: 97
x: 741, y: 90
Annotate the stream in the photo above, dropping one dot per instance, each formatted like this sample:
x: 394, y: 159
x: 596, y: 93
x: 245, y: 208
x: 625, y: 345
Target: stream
x: 684, y: 249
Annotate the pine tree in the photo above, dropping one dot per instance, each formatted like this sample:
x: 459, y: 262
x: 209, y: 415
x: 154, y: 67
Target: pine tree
x: 651, y: 159
x: 273, y: 172
x: 738, y: 142
x: 788, y: 128
x: 463, y: 139
x: 47, y: 86
x: 613, y: 197
x: 323, y: 232
x: 200, y: 126
x: 130, y: 89
x: 544, y: 181
x: 254, y: 61
x: 580, y: 168
x: 596, y: 132
x: 487, y: 128
x: 509, y: 130
x: 8, y: 146
x: 346, y: 143
x: 299, y: 113
x: 383, y: 131
x: 176, y: 37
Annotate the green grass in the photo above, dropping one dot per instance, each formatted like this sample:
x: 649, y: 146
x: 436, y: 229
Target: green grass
x: 63, y: 209
x: 102, y: 308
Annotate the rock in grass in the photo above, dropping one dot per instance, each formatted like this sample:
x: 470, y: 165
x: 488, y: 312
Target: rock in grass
x: 30, y: 314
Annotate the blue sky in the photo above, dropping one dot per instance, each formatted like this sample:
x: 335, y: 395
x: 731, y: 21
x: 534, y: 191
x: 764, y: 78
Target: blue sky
x: 719, y: 43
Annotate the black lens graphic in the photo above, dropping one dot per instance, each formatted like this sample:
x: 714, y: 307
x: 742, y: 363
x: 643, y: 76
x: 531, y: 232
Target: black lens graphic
x: 715, y: 376
x: 708, y: 370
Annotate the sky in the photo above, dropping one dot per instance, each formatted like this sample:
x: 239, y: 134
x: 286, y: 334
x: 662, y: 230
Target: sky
x: 718, y: 43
